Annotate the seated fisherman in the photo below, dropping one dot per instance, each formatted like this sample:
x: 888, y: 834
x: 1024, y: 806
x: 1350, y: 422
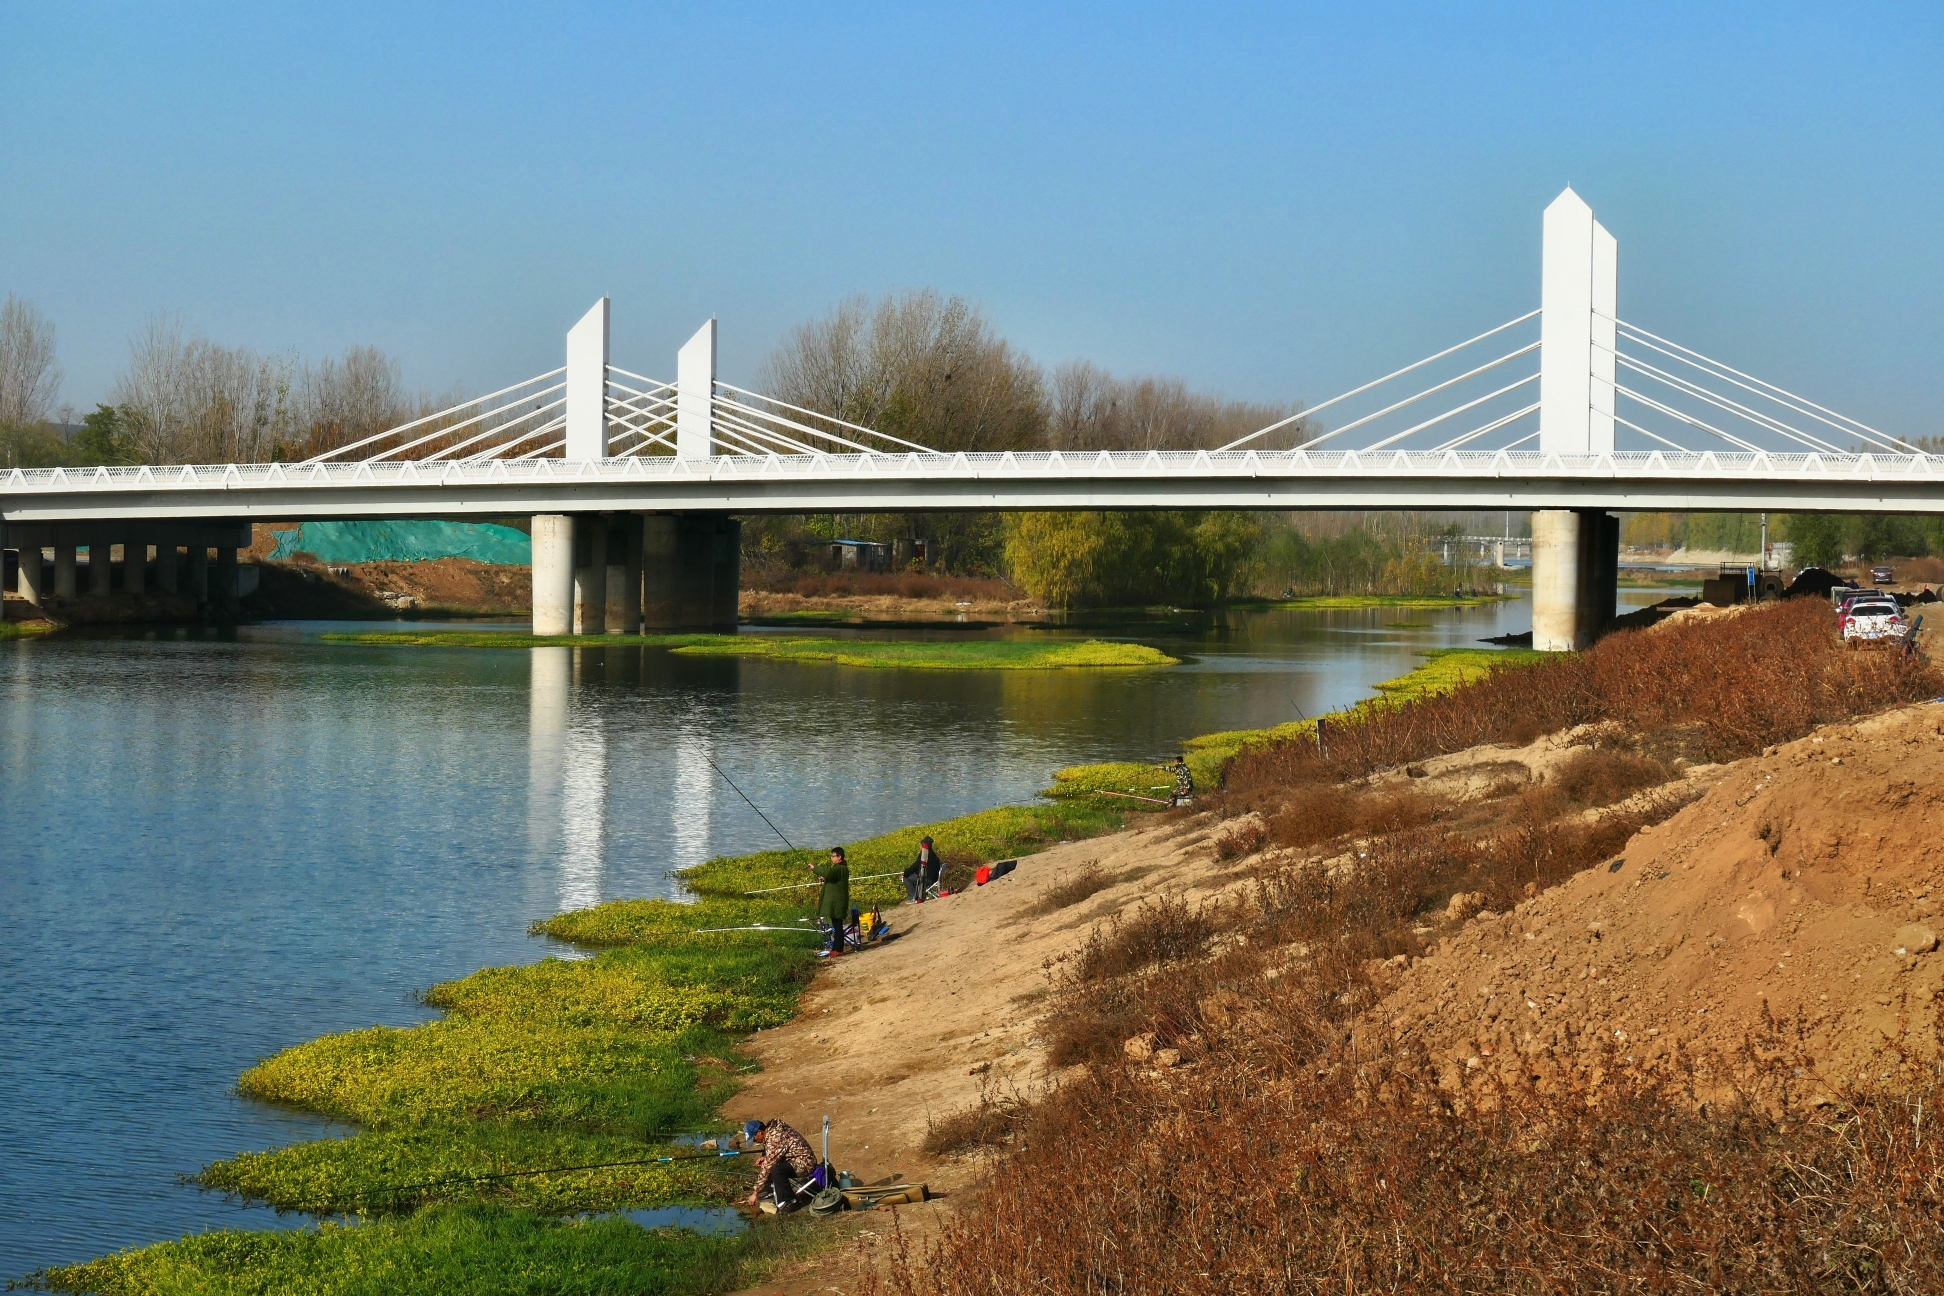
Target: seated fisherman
x: 924, y: 872
x: 787, y: 1155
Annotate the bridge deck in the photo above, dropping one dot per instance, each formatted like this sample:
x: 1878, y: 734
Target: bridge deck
x: 823, y: 483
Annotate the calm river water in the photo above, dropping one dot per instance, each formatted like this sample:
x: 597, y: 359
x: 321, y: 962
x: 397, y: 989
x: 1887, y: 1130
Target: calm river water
x: 216, y: 846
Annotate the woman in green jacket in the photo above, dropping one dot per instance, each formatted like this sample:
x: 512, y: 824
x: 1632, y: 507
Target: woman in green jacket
x: 833, y: 902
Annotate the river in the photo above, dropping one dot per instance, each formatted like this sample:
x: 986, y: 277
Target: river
x: 216, y: 845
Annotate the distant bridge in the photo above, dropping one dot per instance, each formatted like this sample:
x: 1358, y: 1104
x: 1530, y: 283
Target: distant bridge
x: 1584, y: 413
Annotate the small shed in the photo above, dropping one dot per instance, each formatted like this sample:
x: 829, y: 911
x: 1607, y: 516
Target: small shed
x: 859, y: 555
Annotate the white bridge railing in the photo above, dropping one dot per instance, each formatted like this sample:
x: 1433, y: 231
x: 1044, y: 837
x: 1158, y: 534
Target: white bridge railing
x: 1183, y: 465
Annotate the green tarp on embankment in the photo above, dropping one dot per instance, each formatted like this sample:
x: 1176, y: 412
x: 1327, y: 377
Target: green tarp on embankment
x: 355, y: 542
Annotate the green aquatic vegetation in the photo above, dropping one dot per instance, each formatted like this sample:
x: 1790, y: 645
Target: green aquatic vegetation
x: 1110, y: 776
x: 24, y: 629
x: 957, y: 654
x: 499, y: 1069
x: 664, y: 924
x: 1444, y: 669
x: 445, y: 1251
x: 685, y: 981
x: 399, y: 1170
x: 895, y: 654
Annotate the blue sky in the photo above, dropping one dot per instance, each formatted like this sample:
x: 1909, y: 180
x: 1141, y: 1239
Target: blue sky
x: 1272, y: 202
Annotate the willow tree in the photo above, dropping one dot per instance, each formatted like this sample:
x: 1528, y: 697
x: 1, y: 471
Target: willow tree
x: 1123, y: 559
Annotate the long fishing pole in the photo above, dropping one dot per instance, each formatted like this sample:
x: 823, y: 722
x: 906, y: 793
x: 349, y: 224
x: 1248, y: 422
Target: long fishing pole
x: 395, y: 1189
x: 751, y: 804
x: 804, y: 886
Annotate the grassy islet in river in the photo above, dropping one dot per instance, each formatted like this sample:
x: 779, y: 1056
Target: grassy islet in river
x: 899, y: 654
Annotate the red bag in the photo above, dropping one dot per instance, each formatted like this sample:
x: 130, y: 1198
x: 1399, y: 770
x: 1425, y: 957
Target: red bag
x: 983, y: 875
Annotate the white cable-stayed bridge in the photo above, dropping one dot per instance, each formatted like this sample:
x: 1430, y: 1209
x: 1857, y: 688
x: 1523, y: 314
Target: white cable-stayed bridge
x: 1569, y: 410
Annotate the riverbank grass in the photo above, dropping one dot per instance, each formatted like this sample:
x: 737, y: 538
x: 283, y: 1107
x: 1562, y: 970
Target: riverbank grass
x: 889, y: 654
x: 24, y: 629
x: 446, y: 1251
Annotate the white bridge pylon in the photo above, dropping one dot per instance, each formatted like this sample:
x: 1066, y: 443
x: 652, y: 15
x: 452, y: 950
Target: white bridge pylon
x: 591, y: 410
x: 1580, y: 380
x: 1574, y: 377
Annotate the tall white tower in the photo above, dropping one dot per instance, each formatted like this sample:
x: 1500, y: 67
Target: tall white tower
x: 1579, y: 291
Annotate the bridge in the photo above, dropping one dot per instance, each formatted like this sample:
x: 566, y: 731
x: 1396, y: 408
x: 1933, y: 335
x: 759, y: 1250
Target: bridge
x: 1569, y: 411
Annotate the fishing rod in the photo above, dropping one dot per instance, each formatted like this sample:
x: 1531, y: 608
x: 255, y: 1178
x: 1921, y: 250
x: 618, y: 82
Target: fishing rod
x: 800, y: 931
x: 395, y: 1189
x: 1130, y: 796
x: 802, y: 886
x: 751, y: 804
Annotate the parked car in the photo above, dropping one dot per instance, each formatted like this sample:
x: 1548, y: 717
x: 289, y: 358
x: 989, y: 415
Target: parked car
x: 1868, y: 620
x: 1844, y: 597
x: 1882, y: 575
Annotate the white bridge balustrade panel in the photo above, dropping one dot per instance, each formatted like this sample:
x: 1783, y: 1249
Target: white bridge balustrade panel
x: 895, y: 482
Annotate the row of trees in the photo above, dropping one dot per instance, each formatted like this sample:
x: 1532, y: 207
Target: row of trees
x: 1818, y: 539
x: 932, y: 370
x: 185, y: 399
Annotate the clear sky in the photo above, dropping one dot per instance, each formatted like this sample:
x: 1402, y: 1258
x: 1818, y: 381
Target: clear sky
x: 1271, y: 202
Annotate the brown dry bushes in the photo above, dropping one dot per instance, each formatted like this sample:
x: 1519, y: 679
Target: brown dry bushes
x: 1070, y: 889
x: 1746, y: 682
x: 1331, y: 1182
x: 1600, y: 776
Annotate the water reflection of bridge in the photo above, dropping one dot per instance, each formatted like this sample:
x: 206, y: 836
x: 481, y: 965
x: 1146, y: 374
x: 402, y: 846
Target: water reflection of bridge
x: 570, y: 774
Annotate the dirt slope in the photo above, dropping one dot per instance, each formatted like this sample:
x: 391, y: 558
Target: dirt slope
x: 1803, y: 889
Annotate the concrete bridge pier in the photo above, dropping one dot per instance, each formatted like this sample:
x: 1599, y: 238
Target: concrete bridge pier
x: 1575, y: 577
x: 101, y: 564
x: 134, y: 563
x: 29, y: 583
x: 165, y: 566
x: 226, y: 599
x: 553, y: 573
x: 64, y: 570
x: 691, y: 571
x: 590, y: 573
x: 624, y: 574
x: 199, y: 574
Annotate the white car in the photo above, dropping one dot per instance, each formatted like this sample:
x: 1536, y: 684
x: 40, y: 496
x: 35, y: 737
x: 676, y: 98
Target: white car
x: 1869, y: 619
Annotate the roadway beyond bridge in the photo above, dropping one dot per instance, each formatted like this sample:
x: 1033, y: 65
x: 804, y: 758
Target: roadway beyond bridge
x: 635, y: 481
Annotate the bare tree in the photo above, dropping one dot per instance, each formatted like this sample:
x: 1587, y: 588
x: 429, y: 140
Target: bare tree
x: 917, y: 366
x: 341, y: 401
x: 187, y: 400
x: 1093, y: 410
x: 29, y: 378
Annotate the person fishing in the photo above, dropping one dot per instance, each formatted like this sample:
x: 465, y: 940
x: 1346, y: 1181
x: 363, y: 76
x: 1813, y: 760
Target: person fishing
x: 833, y: 901
x: 787, y: 1155
x: 1184, y: 782
x: 924, y: 872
